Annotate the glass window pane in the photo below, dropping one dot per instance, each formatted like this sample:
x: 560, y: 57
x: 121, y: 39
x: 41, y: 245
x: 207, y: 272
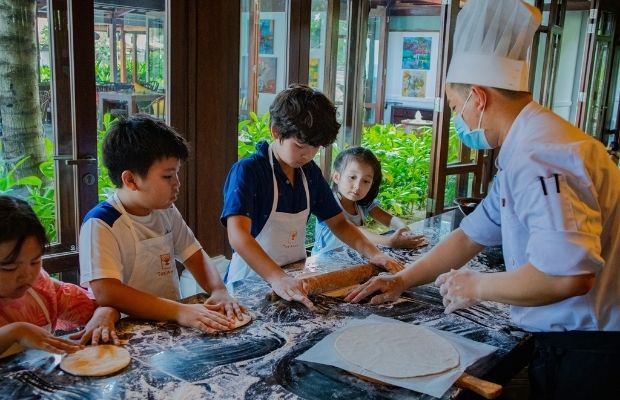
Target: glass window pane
x: 540, y: 60
x: 457, y: 151
x: 613, y: 101
x: 318, y: 34
x: 244, y: 67
x: 372, y: 59
x: 595, y: 98
x: 130, y: 68
x: 405, y: 162
x: 458, y: 186
x: 27, y: 136
x: 341, y: 69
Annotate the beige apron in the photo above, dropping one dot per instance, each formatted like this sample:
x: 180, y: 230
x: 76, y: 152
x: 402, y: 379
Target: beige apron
x: 154, y: 270
x: 283, y: 237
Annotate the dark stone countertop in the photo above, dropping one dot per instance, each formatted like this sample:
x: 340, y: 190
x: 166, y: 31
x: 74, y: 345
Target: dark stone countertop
x: 257, y: 361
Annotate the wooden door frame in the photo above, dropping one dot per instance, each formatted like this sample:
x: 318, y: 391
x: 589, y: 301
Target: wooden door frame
x: 299, y: 13
x: 587, y: 67
x: 75, y: 120
x: 550, y: 59
x: 329, y: 83
x: 352, y: 121
x: 378, y: 105
x: 205, y: 107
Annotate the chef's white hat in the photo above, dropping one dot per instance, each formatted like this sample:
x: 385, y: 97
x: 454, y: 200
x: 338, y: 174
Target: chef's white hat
x: 491, y: 43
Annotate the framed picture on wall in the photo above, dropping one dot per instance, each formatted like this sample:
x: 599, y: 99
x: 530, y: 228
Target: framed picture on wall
x: 265, y: 43
x: 417, y: 52
x: 412, y: 67
x: 267, y: 74
x: 414, y: 83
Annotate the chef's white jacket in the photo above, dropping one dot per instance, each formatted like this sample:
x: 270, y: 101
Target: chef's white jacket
x: 555, y: 202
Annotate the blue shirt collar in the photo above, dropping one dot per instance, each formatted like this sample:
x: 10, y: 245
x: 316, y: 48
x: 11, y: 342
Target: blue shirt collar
x: 516, y: 135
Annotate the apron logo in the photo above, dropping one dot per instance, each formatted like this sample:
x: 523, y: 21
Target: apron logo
x: 165, y: 261
x: 292, y: 240
x: 292, y: 237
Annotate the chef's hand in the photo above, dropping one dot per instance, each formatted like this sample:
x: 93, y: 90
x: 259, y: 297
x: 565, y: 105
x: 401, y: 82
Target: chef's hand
x: 100, y: 327
x: 34, y: 337
x: 386, y: 262
x: 459, y: 288
x: 200, y: 317
x: 222, y: 302
x: 389, y: 286
x: 292, y: 289
x: 402, y: 238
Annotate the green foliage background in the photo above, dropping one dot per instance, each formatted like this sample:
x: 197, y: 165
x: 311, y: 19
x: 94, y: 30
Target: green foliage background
x: 405, y: 162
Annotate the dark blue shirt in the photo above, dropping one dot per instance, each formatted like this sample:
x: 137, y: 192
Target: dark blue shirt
x: 249, y: 190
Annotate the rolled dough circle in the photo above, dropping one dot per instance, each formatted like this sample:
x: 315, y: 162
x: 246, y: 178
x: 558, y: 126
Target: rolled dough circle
x: 241, y: 322
x: 396, y: 350
x: 99, y: 360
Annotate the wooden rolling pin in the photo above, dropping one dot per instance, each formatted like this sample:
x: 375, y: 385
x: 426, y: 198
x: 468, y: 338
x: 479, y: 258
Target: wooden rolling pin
x: 326, y: 282
x: 486, y: 389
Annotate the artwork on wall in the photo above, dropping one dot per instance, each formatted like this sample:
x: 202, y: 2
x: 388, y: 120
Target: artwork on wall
x: 313, y: 73
x: 411, y: 72
x: 414, y: 83
x: 267, y: 74
x: 265, y: 43
x: 417, y: 52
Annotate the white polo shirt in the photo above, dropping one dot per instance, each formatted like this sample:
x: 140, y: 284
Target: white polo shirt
x: 107, y: 248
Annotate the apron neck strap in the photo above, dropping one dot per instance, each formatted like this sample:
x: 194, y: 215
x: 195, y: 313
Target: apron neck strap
x: 41, y: 304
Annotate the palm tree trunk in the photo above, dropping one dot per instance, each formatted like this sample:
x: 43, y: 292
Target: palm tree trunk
x: 22, y: 129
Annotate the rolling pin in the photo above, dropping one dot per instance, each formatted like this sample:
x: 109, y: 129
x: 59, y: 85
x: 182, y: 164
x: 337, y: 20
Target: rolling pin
x: 328, y: 281
x: 486, y: 389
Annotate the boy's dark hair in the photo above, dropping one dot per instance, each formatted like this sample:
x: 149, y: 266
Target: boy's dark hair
x: 362, y: 156
x: 18, y: 222
x: 136, y: 142
x: 305, y: 114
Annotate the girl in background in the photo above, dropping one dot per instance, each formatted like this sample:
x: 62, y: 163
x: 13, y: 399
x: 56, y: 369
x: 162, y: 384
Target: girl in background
x: 355, y: 183
x: 33, y: 305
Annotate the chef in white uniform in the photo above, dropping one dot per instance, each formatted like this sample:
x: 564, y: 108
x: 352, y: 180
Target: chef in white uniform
x: 554, y: 206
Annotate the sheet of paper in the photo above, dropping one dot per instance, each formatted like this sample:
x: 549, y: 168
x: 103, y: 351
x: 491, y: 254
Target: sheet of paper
x: 435, y: 385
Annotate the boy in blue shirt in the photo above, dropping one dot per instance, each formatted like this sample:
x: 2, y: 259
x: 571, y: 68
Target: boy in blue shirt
x: 129, y: 243
x: 269, y: 195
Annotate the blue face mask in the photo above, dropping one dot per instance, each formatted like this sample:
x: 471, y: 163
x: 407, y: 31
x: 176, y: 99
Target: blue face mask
x: 474, y: 139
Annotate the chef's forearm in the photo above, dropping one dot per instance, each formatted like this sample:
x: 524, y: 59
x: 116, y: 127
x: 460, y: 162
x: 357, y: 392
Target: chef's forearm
x: 451, y: 253
x: 527, y: 287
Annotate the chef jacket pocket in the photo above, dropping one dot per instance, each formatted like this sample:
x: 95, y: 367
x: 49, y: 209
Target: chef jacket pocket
x: 557, y: 198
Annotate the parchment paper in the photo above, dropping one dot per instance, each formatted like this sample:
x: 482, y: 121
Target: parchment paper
x: 435, y: 385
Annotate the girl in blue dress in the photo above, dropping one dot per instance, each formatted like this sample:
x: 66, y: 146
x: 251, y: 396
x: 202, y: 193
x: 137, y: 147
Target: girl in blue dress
x: 355, y: 183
